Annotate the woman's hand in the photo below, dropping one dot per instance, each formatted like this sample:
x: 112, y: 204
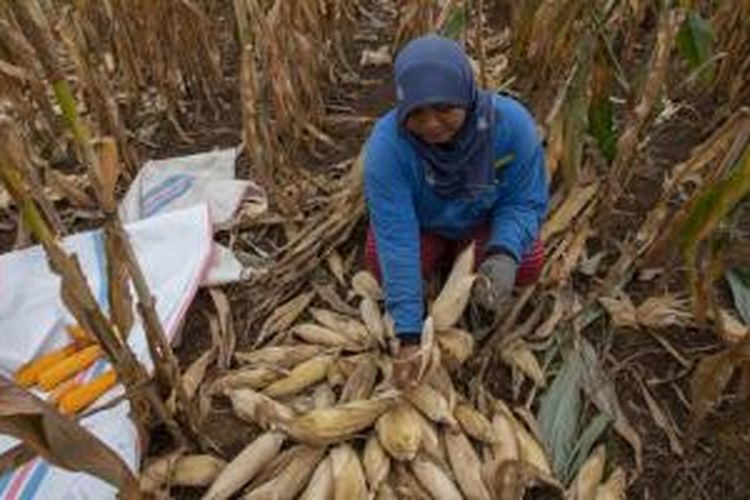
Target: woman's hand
x: 494, y: 287
x: 407, y: 364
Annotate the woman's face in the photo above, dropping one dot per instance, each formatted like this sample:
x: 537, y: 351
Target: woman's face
x: 436, y: 124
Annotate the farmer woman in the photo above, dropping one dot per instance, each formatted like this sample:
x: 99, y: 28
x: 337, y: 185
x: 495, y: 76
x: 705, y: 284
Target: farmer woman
x: 450, y: 164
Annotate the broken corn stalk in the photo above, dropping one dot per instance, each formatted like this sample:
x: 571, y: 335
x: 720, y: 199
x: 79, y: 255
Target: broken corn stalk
x: 85, y: 394
x: 28, y: 374
x: 62, y: 370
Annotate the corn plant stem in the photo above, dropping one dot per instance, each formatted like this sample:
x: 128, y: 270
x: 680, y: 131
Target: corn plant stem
x: 479, y: 41
x: 81, y: 302
x: 42, y: 42
x: 610, y: 53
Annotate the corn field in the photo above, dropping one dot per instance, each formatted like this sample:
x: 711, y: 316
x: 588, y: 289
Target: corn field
x: 623, y: 373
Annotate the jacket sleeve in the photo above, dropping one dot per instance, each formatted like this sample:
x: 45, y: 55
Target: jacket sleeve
x: 523, y: 191
x: 394, y: 221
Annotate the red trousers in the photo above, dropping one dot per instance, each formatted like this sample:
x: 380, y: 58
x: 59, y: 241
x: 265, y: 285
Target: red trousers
x: 438, y: 252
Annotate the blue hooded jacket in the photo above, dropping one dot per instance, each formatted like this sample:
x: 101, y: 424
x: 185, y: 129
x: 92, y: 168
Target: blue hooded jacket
x: 402, y: 203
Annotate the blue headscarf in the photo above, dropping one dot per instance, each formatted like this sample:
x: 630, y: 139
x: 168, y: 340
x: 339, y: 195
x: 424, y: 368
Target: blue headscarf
x: 435, y: 70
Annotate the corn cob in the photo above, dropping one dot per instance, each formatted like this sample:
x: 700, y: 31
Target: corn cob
x: 85, y: 394
x: 28, y: 374
x: 245, y: 466
x: 61, y: 371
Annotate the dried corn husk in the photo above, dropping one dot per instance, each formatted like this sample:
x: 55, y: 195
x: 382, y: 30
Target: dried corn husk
x: 320, y: 486
x: 376, y: 463
x: 530, y: 450
x: 349, y: 327
x: 614, y: 487
x: 373, y: 320
x: 431, y: 403
x: 330, y: 425
x: 435, y: 480
x: 364, y: 284
x: 431, y: 443
x: 316, y: 334
x: 283, y: 317
x: 475, y: 424
x: 348, y: 476
x: 385, y: 492
x: 283, y: 356
x: 323, y: 396
x: 248, y: 378
x: 406, y: 485
x: 304, y: 375
x: 441, y: 381
x: 175, y: 470
x: 245, y: 466
x: 361, y: 382
x: 456, y: 345
x: 466, y: 466
x: 399, y: 432
x: 452, y: 299
x: 506, y: 447
x: 290, y: 480
x: 586, y: 482
x: 259, y: 408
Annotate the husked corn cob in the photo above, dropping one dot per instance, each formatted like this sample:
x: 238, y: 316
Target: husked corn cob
x: 28, y: 374
x: 85, y: 394
x: 61, y: 371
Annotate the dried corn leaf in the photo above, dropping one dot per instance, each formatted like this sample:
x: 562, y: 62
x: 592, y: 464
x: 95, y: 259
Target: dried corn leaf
x: 614, y: 487
x: 573, y: 205
x: 336, y: 266
x: 285, y: 356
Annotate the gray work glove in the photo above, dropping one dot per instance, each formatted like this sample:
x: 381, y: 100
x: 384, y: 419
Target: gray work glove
x: 494, y: 286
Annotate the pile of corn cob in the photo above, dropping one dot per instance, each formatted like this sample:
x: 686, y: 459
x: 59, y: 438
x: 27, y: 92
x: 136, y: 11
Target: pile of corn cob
x: 336, y: 428
x: 58, y: 373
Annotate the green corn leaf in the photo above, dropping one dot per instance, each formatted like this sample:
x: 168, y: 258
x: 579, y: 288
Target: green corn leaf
x: 739, y: 283
x: 695, y: 41
x: 455, y: 23
x: 588, y: 439
x: 601, y: 110
x: 559, y: 411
